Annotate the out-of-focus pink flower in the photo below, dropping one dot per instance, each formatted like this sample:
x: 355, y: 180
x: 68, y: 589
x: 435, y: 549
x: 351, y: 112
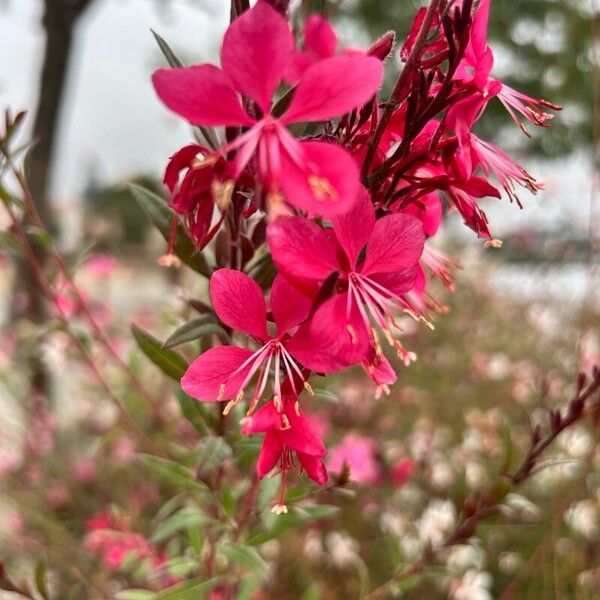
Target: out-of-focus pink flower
x: 360, y: 455
x: 124, y: 450
x: 402, y: 471
x: 101, y: 266
x: 84, y: 470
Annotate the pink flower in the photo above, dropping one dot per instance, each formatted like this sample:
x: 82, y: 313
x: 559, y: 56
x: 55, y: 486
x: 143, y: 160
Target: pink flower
x: 101, y: 265
x: 206, y: 182
x: 222, y: 373
x: 320, y: 178
x: 287, y: 432
x: 402, y: 471
x: 360, y: 455
x: 369, y: 287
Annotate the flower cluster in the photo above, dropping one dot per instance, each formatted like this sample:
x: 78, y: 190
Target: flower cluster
x: 310, y: 173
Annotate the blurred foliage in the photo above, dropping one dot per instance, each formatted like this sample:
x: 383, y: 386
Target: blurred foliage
x: 113, y: 218
x: 550, y: 40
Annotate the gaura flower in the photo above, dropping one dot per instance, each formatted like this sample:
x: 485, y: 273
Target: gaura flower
x: 369, y: 286
x: 224, y: 372
x: 320, y: 177
x: 359, y: 454
x: 287, y: 431
x: 206, y: 183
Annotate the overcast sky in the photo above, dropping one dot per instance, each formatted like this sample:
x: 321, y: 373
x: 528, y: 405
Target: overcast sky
x: 113, y: 122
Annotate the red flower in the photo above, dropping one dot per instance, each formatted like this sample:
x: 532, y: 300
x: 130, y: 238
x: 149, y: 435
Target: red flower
x: 320, y: 178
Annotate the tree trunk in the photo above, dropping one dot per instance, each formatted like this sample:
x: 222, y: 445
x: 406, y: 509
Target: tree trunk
x: 59, y: 21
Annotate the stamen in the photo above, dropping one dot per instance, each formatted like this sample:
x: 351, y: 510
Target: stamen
x: 322, y: 188
x: 221, y: 192
x: 285, y: 423
x: 277, y: 403
x: 297, y: 408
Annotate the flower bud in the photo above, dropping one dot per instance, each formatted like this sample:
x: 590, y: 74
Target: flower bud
x: 383, y: 46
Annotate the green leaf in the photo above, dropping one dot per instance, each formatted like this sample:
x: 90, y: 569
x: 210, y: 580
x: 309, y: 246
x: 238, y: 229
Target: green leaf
x: 297, y: 517
x: 172, y: 472
x: 196, y: 329
x: 40, y: 580
x: 162, y: 216
x: 189, y: 516
x: 246, y: 557
x: 135, y: 594
x: 192, y: 590
x: 247, y: 588
x: 181, y: 566
x: 168, y: 361
x: 213, y: 451
x: 193, y: 411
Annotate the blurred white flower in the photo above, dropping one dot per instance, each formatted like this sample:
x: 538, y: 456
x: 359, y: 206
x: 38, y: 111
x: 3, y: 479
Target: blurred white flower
x: 463, y: 557
x: 411, y: 547
x: 343, y: 550
x: 510, y: 562
x: 313, y: 546
x: 473, y: 586
x: 582, y: 518
x: 499, y: 366
x: 577, y: 442
x: 442, y: 476
x: 436, y: 522
x: 475, y: 474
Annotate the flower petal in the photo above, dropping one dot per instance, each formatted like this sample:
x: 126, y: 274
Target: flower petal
x: 333, y: 87
x: 206, y: 375
x: 396, y: 243
x: 288, y: 305
x: 239, y: 302
x: 319, y: 36
x: 264, y: 419
x: 270, y: 451
x: 201, y: 94
x: 331, y: 340
x: 398, y: 282
x: 301, y: 249
x: 179, y: 161
x: 301, y: 436
x: 314, y: 467
x: 354, y: 228
x: 256, y: 49
x: 326, y: 184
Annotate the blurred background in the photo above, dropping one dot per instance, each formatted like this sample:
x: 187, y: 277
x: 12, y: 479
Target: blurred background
x: 524, y: 318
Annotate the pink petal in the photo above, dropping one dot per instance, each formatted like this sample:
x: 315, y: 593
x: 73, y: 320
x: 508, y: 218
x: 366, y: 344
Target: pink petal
x: 354, y: 228
x: 201, y: 94
x: 314, y: 467
x: 266, y: 418
x: 396, y: 243
x: 429, y: 210
x: 179, y: 161
x: 205, y: 376
x: 301, y: 249
x: 256, y: 49
x: 239, y: 302
x: 319, y: 36
x: 270, y: 451
x: 297, y: 66
x: 288, y: 305
x: 397, y: 282
x: 333, y: 87
x: 301, y: 436
x: 331, y: 340
x: 326, y: 184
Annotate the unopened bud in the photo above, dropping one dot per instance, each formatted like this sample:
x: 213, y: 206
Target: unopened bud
x: 383, y: 46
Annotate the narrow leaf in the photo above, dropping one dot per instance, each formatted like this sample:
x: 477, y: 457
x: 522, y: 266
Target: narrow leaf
x: 195, y: 330
x: 189, y: 516
x: 172, y: 472
x: 246, y: 557
x: 168, y: 361
x: 192, y: 590
x: 162, y: 216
